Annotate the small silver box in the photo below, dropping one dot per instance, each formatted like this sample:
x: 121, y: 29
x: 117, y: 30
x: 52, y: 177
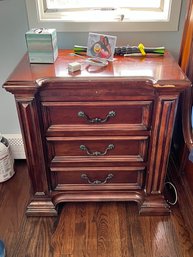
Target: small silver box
x: 42, y: 45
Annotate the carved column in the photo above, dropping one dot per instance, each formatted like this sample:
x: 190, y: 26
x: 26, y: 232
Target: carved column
x: 30, y: 122
x: 164, y: 116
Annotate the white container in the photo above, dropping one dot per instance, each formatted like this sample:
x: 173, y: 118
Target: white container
x: 6, y: 160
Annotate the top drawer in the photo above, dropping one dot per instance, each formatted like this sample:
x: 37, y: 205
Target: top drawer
x: 96, y: 116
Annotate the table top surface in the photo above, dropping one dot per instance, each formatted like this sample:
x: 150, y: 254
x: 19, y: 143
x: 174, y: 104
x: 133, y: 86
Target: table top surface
x: 159, y: 69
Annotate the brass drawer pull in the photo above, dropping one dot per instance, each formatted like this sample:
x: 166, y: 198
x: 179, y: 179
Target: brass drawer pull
x: 96, y: 120
x: 97, y: 182
x: 84, y: 148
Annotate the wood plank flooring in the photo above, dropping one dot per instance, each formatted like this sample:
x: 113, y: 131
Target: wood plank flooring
x: 88, y: 229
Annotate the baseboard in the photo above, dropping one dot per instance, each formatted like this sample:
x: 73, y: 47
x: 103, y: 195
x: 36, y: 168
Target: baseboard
x: 16, y: 145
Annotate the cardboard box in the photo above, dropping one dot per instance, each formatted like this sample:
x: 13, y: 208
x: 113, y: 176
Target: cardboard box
x: 42, y: 45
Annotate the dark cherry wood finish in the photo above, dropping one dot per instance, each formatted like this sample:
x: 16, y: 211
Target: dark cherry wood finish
x: 186, y: 63
x: 70, y: 158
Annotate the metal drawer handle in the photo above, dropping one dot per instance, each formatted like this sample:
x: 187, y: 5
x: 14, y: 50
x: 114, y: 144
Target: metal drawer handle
x: 84, y: 148
x: 96, y: 120
x: 97, y: 182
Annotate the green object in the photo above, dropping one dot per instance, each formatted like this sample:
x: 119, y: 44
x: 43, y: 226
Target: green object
x: 80, y: 49
x: 126, y: 50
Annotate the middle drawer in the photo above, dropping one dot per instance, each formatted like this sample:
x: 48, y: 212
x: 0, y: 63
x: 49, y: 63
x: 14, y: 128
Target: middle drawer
x: 93, y: 151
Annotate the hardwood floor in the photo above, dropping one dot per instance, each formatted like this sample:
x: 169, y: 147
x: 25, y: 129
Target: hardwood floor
x: 88, y: 229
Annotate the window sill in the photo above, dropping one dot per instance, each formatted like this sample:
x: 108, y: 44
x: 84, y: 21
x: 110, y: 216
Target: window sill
x: 121, y: 26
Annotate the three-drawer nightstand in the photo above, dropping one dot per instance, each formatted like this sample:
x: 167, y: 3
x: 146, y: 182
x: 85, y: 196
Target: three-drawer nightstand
x: 99, y: 134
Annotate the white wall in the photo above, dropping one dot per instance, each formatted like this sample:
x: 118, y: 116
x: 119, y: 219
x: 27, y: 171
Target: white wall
x: 13, y: 25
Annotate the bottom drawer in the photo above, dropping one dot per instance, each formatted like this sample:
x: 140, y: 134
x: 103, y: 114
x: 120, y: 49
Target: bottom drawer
x: 97, y: 178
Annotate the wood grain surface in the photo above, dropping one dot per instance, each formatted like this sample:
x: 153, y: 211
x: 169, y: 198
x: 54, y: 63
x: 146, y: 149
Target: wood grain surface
x: 114, y: 229
x: 88, y: 229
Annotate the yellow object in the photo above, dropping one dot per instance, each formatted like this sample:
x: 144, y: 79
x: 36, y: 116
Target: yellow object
x: 141, y: 49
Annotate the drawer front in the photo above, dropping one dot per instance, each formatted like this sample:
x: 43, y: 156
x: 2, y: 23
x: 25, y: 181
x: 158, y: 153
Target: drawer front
x: 97, y: 89
x: 96, y: 116
x: 108, y: 178
x: 97, y: 150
